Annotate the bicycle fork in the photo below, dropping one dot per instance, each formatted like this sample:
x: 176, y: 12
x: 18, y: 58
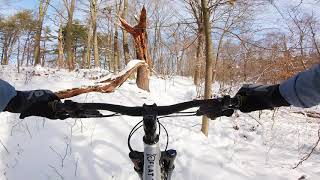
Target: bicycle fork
x: 153, y: 165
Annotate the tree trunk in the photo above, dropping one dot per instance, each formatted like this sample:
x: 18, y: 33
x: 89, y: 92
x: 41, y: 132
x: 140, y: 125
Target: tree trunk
x: 28, y: 54
x: 6, y: 44
x: 314, y: 40
x: 44, y: 51
x: 108, y: 52
x: 116, y: 58
x: 37, y: 45
x: 60, y: 48
x: 87, y: 63
x: 18, y: 56
x: 2, y: 55
x: 214, y: 70
x: 116, y: 55
x: 43, y: 6
x: 84, y: 58
x: 25, y: 48
x: 199, y: 54
x: 68, y: 38
x: 302, y: 51
x: 125, y: 34
x: 11, y: 44
x: 5, y: 55
x: 209, y: 63
x: 94, y: 10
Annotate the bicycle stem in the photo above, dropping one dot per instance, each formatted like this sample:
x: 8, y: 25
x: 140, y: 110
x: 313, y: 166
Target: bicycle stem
x: 150, y: 124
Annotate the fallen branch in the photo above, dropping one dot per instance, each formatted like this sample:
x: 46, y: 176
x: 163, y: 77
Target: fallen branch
x: 113, y: 82
x: 312, y: 114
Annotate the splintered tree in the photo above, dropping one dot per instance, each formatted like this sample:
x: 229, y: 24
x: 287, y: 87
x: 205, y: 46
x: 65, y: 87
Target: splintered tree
x: 139, y: 34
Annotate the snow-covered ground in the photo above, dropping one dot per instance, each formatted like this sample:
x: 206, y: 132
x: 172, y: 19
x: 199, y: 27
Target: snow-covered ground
x: 238, y: 148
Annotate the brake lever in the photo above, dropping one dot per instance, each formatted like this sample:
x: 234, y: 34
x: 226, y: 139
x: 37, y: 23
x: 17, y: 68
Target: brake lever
x: 73, y: 110
x: 225, y: 107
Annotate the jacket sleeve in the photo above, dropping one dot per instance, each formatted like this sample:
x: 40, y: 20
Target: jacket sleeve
x: 303, y: 90
x: 7, y: 92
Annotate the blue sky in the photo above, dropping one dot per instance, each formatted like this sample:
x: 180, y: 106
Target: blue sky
x: 267, y: 17
x: 11, y: 6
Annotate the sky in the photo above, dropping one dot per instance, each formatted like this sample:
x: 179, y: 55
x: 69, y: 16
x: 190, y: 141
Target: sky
x: 269, y: 14
x: 11, y: 6
x: 267, y: 17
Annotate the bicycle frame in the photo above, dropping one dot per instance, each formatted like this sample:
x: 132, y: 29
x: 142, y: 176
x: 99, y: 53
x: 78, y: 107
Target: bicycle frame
x: 152, y: 164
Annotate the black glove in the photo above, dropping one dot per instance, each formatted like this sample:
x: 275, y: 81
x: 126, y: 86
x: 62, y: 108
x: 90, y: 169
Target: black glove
x: 216, y: 108
x: 259, y: 97
x: 33, y: 103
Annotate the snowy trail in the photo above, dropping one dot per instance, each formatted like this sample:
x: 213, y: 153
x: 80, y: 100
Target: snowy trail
x: 96, y: 149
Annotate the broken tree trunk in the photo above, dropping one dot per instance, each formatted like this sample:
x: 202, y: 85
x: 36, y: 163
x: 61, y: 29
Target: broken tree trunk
x: 139, y: 34
x: 104, y: 86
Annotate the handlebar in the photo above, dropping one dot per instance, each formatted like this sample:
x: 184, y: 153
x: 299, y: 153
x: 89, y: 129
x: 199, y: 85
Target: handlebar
x: 73, y: 109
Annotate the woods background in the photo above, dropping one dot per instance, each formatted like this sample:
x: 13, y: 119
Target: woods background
x: 85, y: 34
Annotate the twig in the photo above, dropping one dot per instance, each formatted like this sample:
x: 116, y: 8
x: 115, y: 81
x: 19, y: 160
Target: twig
x: 309, y: 154
x: 4, y: 146
x: 91, y: 136
x: 27, y: 128
x: 255, y: 120
x: 15, y: 126
x: 43, y: 122
x: 61, y: 157
x: 55, y: 169
x: 76, y: 168
x: 273, y: 118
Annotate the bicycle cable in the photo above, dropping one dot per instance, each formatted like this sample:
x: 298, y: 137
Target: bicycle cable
x: 133, y: 130
x: 166, y: 134
x: 137, y: 127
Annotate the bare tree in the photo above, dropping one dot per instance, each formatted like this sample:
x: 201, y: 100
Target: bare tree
x: 209, y: 61
x: 124, y: 33
x: 60, y: 61
x: 43, y: 6
x: 70, y: 6
x: 312, y: 25
x: 194, y: 7
x: 93, y: 22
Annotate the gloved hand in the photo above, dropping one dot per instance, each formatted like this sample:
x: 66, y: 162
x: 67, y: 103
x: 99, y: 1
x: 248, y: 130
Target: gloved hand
x: 32, y: 103
x: 216, y: 108
x: 259, y: 97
